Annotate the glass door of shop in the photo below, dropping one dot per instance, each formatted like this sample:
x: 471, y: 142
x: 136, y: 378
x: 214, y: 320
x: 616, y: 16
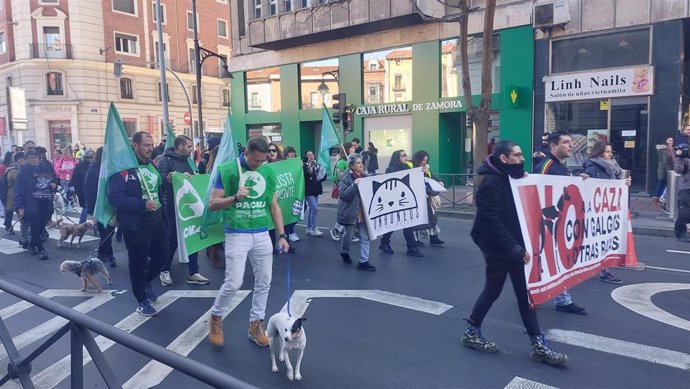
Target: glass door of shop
x: 388, y: 134
x: 628, y: 137
x: 60, y: 134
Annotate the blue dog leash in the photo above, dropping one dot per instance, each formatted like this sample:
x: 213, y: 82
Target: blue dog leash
x: 289, y: 288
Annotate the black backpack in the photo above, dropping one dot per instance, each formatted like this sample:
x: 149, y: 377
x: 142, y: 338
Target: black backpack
x: 4, y: 186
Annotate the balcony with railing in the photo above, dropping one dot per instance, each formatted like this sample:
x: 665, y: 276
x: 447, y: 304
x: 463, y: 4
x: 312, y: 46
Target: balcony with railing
x: 55, y: 50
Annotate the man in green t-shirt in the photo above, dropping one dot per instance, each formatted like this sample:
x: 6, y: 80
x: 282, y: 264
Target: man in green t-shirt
x: 245, y: 189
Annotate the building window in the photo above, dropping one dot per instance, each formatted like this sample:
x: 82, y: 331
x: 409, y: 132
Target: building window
x: 612, y: 50
x: 125, y: 6
x: 387, y: 75
x: 192, y: 63
x: 3, y: 44
x: 157, y: 52
x: 53, y: 42
x: 155, y: 14
x: 226, y: 97
x: 130, y: 126
x: 48, y: 2
x: 222, y: 27
x: 263, y: 90
x: 273, y: 7
x: 194, y: 94
x: 167, y: 91
x: 126, y: 44
x: 271, y: 131
x: 254, y: 101
x: 288, y: 5
x: 240, y: 18
x: 304, y: 3
x: 54, y: 84
x: 126, y: 88
x: 311, y: 75
x: 257, y: 9
x: 451, y: 65
x: 190, y: 21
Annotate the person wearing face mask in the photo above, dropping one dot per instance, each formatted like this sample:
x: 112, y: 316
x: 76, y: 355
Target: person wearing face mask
x: 496, y: 231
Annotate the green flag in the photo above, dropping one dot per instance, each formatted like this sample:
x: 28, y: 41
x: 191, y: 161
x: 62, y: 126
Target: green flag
x: 170, y: 143
x: 118, y: 155
x: 329, y: 138
x: 227, y: 150
x: 188, y: 192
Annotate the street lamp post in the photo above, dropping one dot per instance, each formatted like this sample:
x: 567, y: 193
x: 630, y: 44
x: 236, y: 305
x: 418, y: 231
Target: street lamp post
x: 323, y: 90
x: 200, y: 55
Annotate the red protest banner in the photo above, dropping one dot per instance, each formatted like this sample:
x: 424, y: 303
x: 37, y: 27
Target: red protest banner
x: 572, y: 228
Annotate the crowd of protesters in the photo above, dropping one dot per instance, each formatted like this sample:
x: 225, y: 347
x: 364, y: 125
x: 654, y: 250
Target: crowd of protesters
x: 147, y: 220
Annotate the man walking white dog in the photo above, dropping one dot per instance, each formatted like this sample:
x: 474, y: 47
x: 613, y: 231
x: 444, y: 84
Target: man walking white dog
x: 246, y: 190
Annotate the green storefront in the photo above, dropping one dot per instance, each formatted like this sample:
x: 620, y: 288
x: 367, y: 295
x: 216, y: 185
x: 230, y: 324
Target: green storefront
x: 407, y: 97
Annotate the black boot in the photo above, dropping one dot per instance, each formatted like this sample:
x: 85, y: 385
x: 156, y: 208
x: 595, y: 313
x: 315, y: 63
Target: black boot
x: 435, y: 241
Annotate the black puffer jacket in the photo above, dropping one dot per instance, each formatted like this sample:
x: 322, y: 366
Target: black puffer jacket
x: 171, y: 162
x: 496, y: 228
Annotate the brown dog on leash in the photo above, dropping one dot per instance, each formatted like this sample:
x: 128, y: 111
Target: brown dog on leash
x: 74, y: 230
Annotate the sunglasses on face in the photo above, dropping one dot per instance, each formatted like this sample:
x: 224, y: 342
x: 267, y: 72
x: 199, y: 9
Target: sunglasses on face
x: 272, y: 150
x: 403, y: 155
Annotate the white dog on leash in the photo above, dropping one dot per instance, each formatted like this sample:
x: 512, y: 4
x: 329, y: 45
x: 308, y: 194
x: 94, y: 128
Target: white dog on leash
x: 286, y: 333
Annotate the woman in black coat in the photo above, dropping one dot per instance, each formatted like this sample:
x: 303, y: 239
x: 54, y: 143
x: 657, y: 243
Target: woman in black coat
x: 602, y: 165
x: 314, y: 176
x: 399, y: 162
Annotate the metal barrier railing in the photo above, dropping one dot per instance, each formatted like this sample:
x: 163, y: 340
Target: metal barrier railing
x: 79, y: 326
x: 454, y: 181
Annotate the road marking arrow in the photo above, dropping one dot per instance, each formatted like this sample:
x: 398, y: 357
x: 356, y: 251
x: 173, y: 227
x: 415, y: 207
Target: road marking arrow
x: 301, y: 298
x: 638, y: 298
x: 623, y: 348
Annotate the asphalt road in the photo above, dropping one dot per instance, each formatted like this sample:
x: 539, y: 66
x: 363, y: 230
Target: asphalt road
x: 398, y: 327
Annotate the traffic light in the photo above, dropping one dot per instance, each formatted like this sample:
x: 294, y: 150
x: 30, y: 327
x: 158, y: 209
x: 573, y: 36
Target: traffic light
x: 340, y: 105
x: 345, y: 123
x: 118, y: 67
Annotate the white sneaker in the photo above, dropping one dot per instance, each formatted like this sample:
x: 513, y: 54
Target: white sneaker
x: 165, y: 278
x: 314, y: 232
x: 355, y: 239
x: 197, y: 279
x: 294, y: 237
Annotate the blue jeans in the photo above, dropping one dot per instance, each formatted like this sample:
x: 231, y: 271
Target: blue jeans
x: 563, y: 299
x: 660, y: 187
x: 346, y: 238
x: 84, y: 214
x: 313, y: 210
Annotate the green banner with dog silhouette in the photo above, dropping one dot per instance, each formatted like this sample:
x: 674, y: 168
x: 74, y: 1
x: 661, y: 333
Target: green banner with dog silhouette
x: 189, y: 192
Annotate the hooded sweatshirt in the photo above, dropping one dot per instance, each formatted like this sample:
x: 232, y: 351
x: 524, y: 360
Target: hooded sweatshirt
x: 496, y: 229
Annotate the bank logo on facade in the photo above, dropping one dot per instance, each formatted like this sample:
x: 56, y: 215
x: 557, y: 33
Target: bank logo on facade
x: 189, y: 203
x: 256, y: 184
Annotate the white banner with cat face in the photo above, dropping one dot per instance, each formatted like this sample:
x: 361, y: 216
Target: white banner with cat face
x: 393, y: 201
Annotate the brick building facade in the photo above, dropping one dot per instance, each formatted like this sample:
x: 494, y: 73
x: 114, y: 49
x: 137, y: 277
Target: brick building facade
x: 60, y: 55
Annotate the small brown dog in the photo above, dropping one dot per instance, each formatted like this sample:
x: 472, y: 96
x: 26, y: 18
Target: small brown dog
x: 75, y: 230
x: 86, y: 270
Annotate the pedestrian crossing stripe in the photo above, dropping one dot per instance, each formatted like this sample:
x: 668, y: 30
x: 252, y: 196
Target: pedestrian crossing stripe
x: 153, y: 373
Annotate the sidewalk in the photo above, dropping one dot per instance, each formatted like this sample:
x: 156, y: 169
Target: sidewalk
x: 648, y: 217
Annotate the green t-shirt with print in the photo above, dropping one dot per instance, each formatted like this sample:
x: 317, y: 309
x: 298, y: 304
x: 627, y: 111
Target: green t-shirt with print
x: 254, y: 212
x: 150, y: 179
